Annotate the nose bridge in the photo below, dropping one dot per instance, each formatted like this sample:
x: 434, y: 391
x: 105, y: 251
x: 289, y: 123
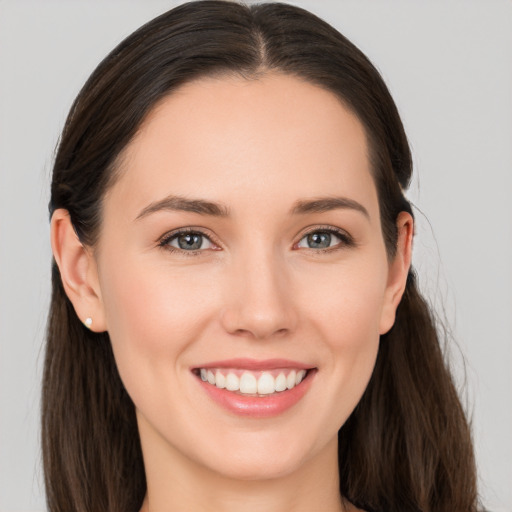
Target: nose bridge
x: 259, y: 301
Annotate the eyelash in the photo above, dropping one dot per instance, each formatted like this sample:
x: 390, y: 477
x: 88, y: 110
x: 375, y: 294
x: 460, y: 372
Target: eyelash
x: 346, y: 240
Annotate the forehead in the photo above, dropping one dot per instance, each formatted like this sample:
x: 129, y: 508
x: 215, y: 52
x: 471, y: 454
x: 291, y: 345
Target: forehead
x: 227, y: 138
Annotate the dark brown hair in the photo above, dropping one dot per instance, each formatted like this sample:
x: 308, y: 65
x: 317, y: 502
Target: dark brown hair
x: 407, y: 445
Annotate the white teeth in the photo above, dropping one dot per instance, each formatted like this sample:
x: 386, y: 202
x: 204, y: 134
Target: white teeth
x: 290, y: 380
x: 248, y: 383
x: 220, y: 380
x: 232, y: 382
x: 261, y: 383
x: 266, y: 384
x: 280, y: 382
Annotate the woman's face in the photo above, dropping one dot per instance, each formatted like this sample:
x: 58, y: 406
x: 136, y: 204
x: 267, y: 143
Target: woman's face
x: 242, y: 241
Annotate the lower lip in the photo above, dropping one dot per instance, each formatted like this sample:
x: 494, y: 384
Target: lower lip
x: 258, y: 406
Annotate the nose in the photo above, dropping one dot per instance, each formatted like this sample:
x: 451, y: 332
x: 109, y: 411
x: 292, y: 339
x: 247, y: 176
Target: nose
x: 259, y: 298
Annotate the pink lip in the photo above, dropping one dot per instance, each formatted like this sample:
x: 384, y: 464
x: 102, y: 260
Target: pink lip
x: 257, y: 406
x: 255, y: 365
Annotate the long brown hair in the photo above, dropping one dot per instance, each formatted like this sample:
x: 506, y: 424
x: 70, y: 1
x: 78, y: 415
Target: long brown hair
x: 407, y: 445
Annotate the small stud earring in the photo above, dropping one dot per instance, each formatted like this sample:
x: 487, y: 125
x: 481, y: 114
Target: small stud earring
x: 88, y: 322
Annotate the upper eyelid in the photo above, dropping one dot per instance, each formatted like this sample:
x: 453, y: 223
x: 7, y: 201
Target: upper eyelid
x: 346, y: 239
x: 176, y: 232
x: 341, y: 233
x: 326, y: 228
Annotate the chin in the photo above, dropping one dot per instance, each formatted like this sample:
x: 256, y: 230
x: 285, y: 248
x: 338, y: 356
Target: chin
x: 247, y: 468
x: 261, y: 458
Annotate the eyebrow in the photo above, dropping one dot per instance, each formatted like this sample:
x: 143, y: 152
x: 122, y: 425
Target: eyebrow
x: 325, y: 204
x: 184, y: 204
x: 203, y: 207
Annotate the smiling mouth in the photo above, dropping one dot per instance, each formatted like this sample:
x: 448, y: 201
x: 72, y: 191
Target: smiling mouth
x: 253, y: 383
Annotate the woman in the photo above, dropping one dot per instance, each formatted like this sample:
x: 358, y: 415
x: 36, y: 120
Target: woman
x: 235, y: 323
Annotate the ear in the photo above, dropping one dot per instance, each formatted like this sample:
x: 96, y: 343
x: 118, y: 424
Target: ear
x: 78, y: 271
x: 398, y: 271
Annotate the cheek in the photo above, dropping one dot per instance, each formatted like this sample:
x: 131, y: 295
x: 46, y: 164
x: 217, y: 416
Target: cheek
x: 346, y: 315
x: 152, y: 316
x: 145, y: 300
x: 355, y: 328
x: 347, y: 302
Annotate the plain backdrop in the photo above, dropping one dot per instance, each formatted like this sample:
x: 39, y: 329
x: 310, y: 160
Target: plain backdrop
x: 449, y: 67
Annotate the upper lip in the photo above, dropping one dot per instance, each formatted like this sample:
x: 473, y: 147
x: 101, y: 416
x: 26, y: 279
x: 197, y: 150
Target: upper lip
x: 255, y: 364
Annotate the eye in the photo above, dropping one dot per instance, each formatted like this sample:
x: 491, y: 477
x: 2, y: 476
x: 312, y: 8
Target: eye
x: 186, y: 240
x: 325, y: 239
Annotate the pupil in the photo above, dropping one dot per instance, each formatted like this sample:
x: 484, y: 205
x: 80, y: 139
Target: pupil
x: 189, y: 241
x: 319, y: 240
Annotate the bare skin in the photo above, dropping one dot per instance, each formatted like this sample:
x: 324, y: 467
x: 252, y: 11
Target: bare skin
x: 256, y: 286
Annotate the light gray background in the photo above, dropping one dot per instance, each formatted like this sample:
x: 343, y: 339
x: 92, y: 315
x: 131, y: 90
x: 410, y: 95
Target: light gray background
x: 448, y: 65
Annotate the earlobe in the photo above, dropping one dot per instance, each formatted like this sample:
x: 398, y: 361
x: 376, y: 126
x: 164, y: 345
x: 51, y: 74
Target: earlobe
x: 78, y: 271
x: 398, y: 271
